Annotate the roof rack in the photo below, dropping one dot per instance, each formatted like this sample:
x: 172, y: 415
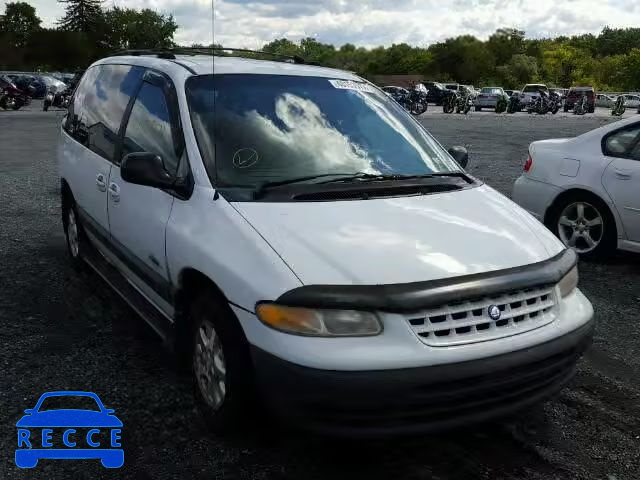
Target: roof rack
x: 170, y: 53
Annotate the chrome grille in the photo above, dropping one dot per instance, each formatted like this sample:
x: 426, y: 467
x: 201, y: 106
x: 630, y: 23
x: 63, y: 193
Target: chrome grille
x: 469, y: 321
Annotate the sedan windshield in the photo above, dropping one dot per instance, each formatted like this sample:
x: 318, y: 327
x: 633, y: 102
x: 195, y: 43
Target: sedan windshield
x: 257, y: 129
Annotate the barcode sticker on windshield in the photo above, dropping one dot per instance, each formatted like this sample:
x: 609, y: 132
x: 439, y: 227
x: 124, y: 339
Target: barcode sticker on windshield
x: 351, y: 85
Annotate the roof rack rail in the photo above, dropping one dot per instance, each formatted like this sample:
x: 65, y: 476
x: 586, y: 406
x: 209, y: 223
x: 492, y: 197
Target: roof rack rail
x: 288, y: 58
x: 167, y: 53
x: 170, y: 53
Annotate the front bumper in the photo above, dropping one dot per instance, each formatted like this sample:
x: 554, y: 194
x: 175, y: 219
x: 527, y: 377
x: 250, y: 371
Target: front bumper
x: 422, y: 399
x: 486, y: 103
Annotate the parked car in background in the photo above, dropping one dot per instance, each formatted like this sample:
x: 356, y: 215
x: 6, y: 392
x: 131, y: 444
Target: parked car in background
x: 575, y: 93
x: 436, y: 92
x: 632, y: 101
x: 488, y: 97
x: 27, y: 82
x: 395, y: 91
x: 54, y: 83
x: 605, y: 101
x: 585, y: 189
x: 531, y: 90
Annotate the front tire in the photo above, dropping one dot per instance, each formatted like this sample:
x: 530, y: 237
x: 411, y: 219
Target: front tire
x: 583, y: 222
x: 77, y: 243
x: 221, y: 367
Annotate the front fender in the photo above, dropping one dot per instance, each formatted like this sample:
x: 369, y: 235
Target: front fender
x: 211, y: 237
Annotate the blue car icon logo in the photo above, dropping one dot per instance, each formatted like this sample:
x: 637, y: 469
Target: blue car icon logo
x: 56, y: 428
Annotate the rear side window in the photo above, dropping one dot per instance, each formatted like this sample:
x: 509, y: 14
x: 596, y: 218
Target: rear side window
x: 99, y: 105
x: 623, y: 143
x: 149, y: 127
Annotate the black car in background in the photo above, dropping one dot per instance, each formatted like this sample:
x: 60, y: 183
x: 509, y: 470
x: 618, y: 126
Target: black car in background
x: 24, y: 81
x: 437, y: 92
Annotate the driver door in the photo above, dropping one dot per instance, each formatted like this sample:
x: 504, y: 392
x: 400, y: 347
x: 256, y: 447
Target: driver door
x: 138, y: 214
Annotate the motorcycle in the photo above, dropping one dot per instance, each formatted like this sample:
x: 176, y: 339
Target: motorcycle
x: 53, y: 98
x: 501, y: 104
x: 580, y: 107
x: 619, y: 106
x: 514, y: 103
x: 11, y: 97
x: 555, y: 102
x: 417, y: 100
x: 464, y: 102
x: 545, y: 102
x: 449, y: 102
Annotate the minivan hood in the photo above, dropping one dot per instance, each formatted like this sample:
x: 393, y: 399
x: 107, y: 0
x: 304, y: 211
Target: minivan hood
x: 401, y: 240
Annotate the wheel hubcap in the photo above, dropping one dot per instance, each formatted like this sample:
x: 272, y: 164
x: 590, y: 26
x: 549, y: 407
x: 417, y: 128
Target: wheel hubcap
x: 72, y: 234
x: 209, y: 365
x: 581, y: 226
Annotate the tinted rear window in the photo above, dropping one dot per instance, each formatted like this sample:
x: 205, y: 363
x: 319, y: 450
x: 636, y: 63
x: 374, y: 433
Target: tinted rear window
x: 534, y: 88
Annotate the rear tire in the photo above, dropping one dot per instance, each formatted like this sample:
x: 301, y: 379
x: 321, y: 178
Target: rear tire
x: 592, y: 218
x: 221, y: 367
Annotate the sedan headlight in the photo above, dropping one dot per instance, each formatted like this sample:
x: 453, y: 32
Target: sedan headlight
x: 319, y: 322
x: 569, y: 282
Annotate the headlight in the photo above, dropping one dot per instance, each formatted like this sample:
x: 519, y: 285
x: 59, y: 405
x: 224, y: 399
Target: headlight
x: 569, y: 282
x: 318, y: 322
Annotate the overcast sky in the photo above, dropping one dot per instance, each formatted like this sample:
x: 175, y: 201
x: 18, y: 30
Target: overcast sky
x: 251, y: 23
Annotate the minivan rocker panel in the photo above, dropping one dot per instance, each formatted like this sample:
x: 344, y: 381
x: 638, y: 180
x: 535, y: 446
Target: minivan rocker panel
x: 401, y: 240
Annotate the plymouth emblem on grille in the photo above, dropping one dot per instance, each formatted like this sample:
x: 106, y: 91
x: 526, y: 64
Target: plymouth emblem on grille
x: 494, y: 312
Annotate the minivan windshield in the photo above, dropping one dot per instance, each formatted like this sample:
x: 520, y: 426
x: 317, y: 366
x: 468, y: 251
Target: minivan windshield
x: 255, y: 129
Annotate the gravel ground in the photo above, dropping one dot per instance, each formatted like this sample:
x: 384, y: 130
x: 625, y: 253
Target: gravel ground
x: 62, y: 330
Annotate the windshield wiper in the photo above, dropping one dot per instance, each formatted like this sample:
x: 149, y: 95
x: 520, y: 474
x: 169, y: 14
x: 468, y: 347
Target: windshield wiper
x: 372, y: 177
x: 267, y: 185
x: 348, y: 177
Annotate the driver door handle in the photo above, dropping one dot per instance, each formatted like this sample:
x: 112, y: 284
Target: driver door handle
x: 101, y: 183
x: 114, y: 191
x: 623, y: 174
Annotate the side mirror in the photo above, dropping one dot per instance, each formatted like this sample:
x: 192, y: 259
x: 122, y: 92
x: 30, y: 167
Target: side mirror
x: 460, y: 155
x: 145, y: 168
x: 109, y: 411
x: 29, y: 410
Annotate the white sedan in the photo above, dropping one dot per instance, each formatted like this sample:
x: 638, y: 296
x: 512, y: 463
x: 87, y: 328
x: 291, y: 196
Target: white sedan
x: 587, y: 189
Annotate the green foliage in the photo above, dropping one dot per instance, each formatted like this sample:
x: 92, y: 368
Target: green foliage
x: 610, y: 60
x: 129, y: 28
x: 84, y: 34
x: 18, y: 24
x: 81, y: 15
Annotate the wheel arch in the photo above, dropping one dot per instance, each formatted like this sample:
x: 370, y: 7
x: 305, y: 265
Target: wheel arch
x: 191, y: 283
x: 66, y: 198
x: 565, y: 194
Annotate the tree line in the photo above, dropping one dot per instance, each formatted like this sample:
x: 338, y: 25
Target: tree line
x: 88, y: 31
x: 609, y: 61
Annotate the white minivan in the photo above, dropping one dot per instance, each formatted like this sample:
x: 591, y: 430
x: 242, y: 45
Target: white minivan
x: 304, y: 241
